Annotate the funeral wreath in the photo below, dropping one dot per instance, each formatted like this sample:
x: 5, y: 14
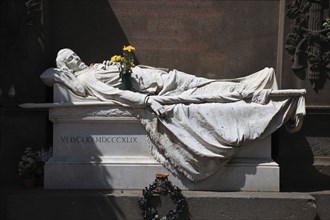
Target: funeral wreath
x: 162, y: 186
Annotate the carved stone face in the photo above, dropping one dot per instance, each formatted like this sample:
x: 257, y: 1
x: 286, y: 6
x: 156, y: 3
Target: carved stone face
x: 73, y: 61
x: 69, y: 59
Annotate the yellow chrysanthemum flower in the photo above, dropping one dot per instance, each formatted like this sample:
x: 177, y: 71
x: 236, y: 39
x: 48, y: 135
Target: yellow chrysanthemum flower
x: 116, y: 58
x: 129, y: 48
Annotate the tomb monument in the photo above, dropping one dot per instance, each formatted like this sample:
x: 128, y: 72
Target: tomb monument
x: 209, y: 134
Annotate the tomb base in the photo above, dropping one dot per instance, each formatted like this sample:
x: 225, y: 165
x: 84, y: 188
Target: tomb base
x: 133, y: 173
x: 105, y: 147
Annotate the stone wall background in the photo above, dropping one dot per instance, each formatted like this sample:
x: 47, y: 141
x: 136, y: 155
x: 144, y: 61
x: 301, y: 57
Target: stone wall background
x: 22, y: 59
x: 215, y: 39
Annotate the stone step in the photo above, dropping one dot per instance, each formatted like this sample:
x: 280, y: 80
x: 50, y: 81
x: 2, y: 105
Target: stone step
x: 40, y: 204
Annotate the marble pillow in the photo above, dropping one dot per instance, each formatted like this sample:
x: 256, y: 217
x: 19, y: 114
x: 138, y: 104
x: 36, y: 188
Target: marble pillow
x: 55, y: 75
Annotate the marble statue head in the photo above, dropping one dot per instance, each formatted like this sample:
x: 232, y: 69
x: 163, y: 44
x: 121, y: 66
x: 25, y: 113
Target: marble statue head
x: 68, y: 60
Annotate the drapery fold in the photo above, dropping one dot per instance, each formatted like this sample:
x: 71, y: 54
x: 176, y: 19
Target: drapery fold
x: 207, y: 121
x: 204, y: 128
x: 198, y: 139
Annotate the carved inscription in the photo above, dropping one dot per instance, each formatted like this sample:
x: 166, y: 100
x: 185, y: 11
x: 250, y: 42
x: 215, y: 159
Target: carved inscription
x: 178, y: 34
x: 167, y: 24
x: 99, y: 139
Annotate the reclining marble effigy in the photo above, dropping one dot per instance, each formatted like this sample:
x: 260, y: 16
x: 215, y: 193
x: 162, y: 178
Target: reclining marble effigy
x: 205, y: 122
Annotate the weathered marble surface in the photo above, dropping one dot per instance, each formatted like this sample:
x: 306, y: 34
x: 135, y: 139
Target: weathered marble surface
x: 107, y: 148
x: 192, y: 141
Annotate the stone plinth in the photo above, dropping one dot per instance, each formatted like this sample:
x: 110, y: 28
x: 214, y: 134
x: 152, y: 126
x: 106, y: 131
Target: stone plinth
x: 35, y: 204
x: 105, y: 147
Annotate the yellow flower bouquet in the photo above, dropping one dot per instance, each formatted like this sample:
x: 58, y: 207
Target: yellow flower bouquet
x: 125, y: 63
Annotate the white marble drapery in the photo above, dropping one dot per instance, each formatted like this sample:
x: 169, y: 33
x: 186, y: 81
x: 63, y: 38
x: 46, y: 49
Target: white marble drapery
x: 207, y: 121
x: 198, y: 139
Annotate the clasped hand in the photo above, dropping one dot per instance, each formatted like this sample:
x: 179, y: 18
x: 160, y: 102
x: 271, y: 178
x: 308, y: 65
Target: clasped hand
x: 153, y: 104
x: 156, y: 107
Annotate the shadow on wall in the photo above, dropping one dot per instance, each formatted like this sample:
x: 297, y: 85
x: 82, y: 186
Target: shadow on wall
x: 22, y: 58
x: 86, y: 170
x: 299, y: 155
x: 22, y: 51
x: 75, y: 26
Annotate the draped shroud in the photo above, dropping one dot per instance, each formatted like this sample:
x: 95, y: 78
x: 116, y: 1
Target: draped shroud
x: 207, y: 122
x: 205, y: 127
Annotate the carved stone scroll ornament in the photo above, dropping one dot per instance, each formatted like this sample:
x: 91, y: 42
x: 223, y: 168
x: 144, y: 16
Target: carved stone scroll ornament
x: 307, y: 43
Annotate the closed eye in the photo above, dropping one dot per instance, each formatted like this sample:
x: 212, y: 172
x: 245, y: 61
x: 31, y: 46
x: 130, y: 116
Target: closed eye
x: 70, y: 58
